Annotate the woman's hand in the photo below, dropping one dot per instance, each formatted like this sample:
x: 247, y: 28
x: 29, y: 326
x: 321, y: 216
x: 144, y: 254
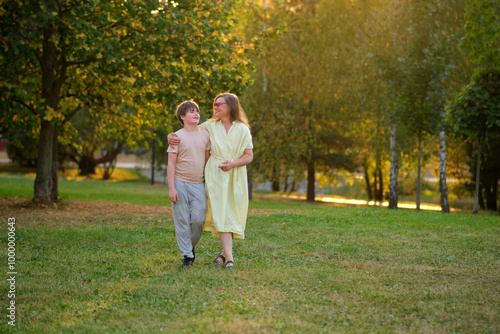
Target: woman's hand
x: 244, y: 160
x: 173, y: 139
x: 227, y: 165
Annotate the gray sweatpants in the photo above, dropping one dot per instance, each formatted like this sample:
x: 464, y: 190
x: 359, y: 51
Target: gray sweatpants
x: 189, y: 215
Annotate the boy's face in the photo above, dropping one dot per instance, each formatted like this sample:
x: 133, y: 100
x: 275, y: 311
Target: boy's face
x: 191, y: 117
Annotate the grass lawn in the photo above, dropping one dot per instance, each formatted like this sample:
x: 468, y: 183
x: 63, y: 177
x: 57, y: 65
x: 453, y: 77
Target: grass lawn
x: 131, y: 188
x: 97, y: 265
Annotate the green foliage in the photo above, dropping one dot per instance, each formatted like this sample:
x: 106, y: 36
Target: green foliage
x: 476, y: 111
x: 416, y: 57
x: 131, y: 64
x: 22, y: 149
x: 342, y: 71
x: 296, y: 115
x: 482, y: 41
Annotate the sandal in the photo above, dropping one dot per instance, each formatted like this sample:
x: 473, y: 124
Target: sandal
x: 216, y: 261
x: 229, y: 265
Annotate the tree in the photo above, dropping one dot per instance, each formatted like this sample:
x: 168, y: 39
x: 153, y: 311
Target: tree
x: 490, y: 171
x: 415, y: 53
x: 475, y: 114
x: 428, y: 64
x: 482, y: 40
x: 87, y: 140
x: 306, y: 70
x: 168, y: 51
x: 387, y: 52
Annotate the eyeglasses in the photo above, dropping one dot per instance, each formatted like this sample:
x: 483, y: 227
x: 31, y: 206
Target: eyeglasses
x: 216, y: 104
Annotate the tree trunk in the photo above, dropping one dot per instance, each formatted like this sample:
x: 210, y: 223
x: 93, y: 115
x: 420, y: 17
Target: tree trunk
x: 443, y: 188
x: 275, y: 183
x: 482, y: 206
x: 53, y: 72
x: 419, y: 168
x: 285, y: 185
x: 393, y: 182
x: 310, y: 181
x: 87, y: 164
x: 381, y: 183
x: 367, y: 181
x: 109, y: 168
x: 153, y: 162
x: 43, y: 180
x: 495, y: 192
x: 490, y: 184
x: 54, y: 194
x: 478, y: 166
x: 375, y: 184
x: 275, y: 186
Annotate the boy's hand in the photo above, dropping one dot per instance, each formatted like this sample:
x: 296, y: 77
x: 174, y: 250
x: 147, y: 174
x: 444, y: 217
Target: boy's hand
x: 173, y: 196
x: 173, y: 139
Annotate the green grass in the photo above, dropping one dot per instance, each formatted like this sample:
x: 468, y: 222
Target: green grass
x: 137, y: 192
x: 303, y: 268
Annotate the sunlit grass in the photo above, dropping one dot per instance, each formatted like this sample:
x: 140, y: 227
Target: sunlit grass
x: 340, y: 200
x: 119, y: 174
x: 126, y: 186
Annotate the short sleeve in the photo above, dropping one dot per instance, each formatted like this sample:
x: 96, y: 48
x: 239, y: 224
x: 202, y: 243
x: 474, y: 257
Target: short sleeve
x: 247, y: 139
x: 207, y: 137
x: 174, y: 149
x: 203, y: 126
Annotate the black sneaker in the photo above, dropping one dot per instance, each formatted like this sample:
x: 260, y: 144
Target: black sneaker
x: 194, y: 256
x: 188, y: 261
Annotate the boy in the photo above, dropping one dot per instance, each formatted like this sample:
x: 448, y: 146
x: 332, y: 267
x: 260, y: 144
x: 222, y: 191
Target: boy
x: 185, y: 171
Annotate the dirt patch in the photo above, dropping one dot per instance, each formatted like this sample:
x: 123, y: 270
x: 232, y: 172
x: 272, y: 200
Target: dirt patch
x: 81, y: 211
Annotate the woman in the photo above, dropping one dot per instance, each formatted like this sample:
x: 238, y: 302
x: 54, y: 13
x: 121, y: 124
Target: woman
x: 226, y: 175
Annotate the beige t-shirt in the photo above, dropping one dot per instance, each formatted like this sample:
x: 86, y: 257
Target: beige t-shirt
x: 191, y: 155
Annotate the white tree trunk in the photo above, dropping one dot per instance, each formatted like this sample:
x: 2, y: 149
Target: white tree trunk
x: 393, y: 183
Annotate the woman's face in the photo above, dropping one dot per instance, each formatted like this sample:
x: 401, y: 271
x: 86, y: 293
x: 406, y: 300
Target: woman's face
x: 221, y: 109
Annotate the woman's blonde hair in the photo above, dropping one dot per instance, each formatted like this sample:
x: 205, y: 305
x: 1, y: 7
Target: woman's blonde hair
x: 236, y: 111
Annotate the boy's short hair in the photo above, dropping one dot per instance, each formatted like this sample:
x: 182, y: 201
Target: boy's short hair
x: 184, y: 107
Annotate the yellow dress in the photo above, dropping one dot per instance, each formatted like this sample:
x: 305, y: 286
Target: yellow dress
x: 227, y: 191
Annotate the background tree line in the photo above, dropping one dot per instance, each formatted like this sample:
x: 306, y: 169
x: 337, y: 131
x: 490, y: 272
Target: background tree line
x: 368, y: 86
x: 371, y: 86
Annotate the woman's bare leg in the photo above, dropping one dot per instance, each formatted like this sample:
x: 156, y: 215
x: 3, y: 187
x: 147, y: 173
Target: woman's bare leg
x: 226, y: 239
